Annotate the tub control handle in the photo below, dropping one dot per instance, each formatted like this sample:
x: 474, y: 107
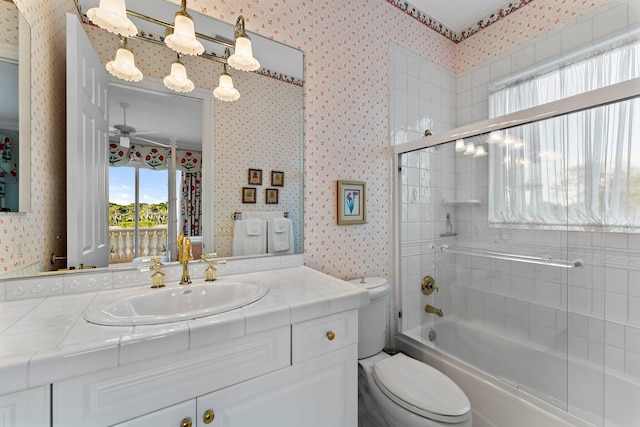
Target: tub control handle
x: 428, y: 285
x: 330, y: 335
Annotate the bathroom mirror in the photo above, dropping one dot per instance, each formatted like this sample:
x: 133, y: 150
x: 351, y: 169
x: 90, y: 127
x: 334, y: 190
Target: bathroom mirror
x: 263, y: 129
x: 239, y: 128
x: 15, y: 111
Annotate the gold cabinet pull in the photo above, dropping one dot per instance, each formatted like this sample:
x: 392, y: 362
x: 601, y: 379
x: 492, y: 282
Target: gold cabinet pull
x: 186, y: 422
x: 330, y: 335
x: 208, y: 416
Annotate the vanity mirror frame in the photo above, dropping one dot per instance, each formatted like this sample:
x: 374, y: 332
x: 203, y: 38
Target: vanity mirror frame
x: 22, y: 56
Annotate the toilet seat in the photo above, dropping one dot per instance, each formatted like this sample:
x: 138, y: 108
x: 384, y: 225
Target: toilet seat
x: 421, y: 389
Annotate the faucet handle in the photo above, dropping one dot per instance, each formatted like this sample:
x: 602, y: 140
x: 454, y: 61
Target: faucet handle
x: 157, y: 278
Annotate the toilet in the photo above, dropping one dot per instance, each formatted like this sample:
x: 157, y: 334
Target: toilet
x: 398, y: 390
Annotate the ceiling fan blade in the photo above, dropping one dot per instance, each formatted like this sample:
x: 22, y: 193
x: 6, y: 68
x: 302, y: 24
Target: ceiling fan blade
x: 151, y: 142
x: 146, y: 132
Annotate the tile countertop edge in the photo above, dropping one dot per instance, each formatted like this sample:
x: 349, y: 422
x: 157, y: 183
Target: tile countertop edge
x: 48, y: 365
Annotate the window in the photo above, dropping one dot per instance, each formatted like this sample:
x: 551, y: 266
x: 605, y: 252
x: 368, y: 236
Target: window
x: 582, y: 169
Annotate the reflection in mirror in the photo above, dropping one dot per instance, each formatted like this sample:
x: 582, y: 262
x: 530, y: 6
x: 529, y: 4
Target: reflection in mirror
x: 15, y: 111
x: 262, y: 130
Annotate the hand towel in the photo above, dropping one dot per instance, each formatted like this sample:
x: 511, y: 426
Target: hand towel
x: 249, y: 244
x: 280, y: 233
x: 253, y: 227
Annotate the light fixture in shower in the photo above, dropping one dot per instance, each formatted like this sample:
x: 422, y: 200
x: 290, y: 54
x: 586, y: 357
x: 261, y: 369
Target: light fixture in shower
x: 480, y: 151
x: 470, y: 149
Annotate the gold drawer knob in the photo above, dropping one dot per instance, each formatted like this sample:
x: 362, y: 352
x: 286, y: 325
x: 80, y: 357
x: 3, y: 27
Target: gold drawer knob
x: 330, y: 335
x: 186, y: 422
x: 208, y: 416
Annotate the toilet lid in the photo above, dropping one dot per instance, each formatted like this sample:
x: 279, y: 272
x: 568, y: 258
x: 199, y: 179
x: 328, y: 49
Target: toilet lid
x: 421, y: 389
x: 378, y: 287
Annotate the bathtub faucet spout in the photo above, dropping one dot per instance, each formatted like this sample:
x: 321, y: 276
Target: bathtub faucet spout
x: 433, y: 310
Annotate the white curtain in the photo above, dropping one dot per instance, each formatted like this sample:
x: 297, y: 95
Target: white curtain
x: 582, y: 169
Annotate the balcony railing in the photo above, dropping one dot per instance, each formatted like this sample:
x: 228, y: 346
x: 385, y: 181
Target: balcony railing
x: 153, y: 242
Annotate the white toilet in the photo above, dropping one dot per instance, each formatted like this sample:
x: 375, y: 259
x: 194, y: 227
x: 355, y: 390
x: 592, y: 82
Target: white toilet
x: 403, y: 391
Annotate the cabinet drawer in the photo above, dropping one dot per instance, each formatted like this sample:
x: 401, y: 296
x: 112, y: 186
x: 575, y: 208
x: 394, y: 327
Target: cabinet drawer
x: 320, y: 336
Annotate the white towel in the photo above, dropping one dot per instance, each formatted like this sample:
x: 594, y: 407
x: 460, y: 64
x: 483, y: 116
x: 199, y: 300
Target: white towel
x: 280, y: 231
x: 253, y: 227
x: 249, y: 244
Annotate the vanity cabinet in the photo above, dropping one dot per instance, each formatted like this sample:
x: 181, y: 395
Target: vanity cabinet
x: 26, y: 408
x: 303, y: 374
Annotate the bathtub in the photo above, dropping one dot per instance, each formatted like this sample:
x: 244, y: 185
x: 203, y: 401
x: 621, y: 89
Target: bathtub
x: 525, y: 385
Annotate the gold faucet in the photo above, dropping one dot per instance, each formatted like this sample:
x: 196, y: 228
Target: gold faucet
x: 433, y: 310
x: 184, y: 256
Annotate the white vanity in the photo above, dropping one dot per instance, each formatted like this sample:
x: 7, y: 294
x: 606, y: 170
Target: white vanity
x: 289, y: 359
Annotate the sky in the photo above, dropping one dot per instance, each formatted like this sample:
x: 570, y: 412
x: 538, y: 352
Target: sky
x: 153, y: 186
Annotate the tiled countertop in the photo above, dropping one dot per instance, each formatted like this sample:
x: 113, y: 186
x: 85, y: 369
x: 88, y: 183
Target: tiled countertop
x: 43, y: 340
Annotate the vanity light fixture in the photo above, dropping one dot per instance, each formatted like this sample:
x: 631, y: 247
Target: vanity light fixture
x: 242, y: 58
x: 480, y: 151
x: 178, y: 80
x: 183, y: 40
x: 225, y: 90
x: 470, y: 150
x: 111, y: 15
x: 460, y: 147
x: 124, y: 67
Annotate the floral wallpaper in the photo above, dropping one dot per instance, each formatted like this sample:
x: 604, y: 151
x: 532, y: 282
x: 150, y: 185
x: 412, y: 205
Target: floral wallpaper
x: 346, y: 115
x: 42, y: 230
x: 8, y: 26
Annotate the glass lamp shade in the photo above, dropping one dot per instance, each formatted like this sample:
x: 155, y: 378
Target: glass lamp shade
x: 460, y: 147
x: 183, y: 40
x: 124, y: 67
x: 242, y: 59
x: 111, y: 15
x: 178, y: 80
x: 470, y: 150
x: 480, y: 151
x: 225, y: 90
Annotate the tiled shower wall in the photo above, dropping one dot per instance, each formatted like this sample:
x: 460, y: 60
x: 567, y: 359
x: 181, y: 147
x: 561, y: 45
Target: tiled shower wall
x: 422, y: 96
x: 593, y: 313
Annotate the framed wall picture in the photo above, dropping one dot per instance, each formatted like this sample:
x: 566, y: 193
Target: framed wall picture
x: 248, y: 195
x: 271, y: 196
x: 255, y: 176
x: 277, y: 179
x: 351, y: 202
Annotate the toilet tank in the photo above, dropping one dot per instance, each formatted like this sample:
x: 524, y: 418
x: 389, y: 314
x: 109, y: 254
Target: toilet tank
x: 372, y: 318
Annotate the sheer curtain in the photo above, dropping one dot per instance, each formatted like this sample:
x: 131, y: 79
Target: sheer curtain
x: 583, y: 167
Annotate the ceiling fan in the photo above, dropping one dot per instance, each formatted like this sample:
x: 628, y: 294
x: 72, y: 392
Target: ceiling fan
x: 123, y: 134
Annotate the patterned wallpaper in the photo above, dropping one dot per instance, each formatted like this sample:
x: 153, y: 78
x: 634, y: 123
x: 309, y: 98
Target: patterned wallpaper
x: 42, y: 231
x: 518, y: 27
x: 8, y: 23
x: 346, y: 47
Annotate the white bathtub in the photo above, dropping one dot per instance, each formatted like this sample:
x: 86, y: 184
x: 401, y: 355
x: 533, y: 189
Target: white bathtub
x: 523, y: 385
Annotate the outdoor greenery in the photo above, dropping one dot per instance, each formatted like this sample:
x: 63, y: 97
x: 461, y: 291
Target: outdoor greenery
x: 151, y: 215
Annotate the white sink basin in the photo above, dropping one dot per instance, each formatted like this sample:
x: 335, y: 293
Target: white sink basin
x: 174, y: 304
